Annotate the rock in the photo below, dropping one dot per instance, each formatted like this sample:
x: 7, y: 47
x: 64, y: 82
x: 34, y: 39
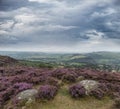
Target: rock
x: 89, y: 85
x: 26, y: 97
x: 23, y: 107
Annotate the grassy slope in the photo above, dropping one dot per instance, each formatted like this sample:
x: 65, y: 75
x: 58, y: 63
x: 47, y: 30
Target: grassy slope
x: 64, y: 101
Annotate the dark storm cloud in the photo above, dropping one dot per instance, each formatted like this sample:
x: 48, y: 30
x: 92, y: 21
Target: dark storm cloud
x: 117, y: 2
x: 12, y: 4
x: 71, y: 25
x: 8, y: 5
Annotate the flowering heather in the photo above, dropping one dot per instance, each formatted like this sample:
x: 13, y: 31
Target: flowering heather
x: 98, y: 93
x: 16, y: 79
x: 77, y: 91
x: 6, y: 95
x: 47, y: 92
x: 117, y: 103
x: 18, y: 87
x: 69, y: 78
x: 52, y: 81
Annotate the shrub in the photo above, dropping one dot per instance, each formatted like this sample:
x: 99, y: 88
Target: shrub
x: 35, y: 80
x: 114, y: 87
x: 6, y: 95
x: 52, y: 81
x: 3, y: 97
x: 116, y: 94
x: 15, y: 79
x: 77, y: 91
x: 58, y: 73
x: 101, y: 91
x: 117, y: 103
x: 103, y: 87
x: 98, y: 93
x: 12, y: 91
x: 18, y: 87
x: 47, y: 92
x: 2, y: 87
x: 69, y: 78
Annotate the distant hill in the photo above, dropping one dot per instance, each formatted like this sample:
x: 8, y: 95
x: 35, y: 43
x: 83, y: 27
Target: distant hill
x: 6, y: 60
x: 106, y: 60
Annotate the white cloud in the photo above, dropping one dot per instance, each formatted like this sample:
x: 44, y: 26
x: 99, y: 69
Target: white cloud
x: 56, y: 27
x: 26, y: 18
x: 114, y: 25
x: 106, y: 12
x: 6, y: 24
x: 42, y: 1
x: 94, y: 35
x: 2, y: 32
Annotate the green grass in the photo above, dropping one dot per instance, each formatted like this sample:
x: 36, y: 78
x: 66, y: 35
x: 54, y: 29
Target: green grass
x: 37, y: 64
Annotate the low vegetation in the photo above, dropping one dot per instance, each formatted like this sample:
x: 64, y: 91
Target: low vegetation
x: 47, y: 92
x: 77, y: 91
x: 33, y: 86
x: 49, y: 81
x: 6, y: 60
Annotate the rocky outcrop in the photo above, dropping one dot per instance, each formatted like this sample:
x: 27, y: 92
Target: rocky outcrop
x: 89, y: 85
x: 26, y: 97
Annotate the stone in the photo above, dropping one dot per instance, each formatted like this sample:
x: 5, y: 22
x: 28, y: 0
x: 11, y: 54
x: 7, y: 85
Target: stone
x: 26, y: 97
x: 89, y: 85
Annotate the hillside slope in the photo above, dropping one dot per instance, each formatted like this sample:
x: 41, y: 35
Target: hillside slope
x: 6, y: 60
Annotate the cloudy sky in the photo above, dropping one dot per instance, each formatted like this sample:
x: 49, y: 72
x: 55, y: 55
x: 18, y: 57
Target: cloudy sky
x: 60, y: 25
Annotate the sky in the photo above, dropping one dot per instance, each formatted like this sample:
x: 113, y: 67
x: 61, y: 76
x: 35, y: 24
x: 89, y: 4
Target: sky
x: 60, y: 25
